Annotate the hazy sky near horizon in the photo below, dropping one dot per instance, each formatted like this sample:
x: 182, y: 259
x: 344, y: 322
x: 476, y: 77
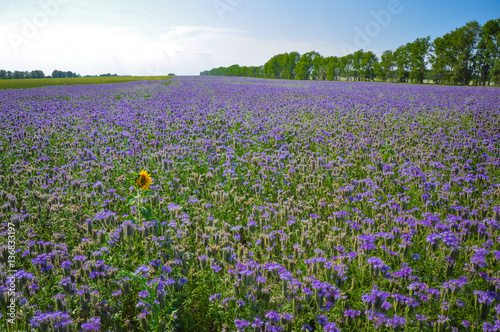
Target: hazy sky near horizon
x: 154, y: 37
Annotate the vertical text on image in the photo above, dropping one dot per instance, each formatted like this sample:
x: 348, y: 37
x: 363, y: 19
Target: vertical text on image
x: 11, y: 277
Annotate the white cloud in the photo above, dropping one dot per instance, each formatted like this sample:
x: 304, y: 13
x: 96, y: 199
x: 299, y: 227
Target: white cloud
x: 127, y: 50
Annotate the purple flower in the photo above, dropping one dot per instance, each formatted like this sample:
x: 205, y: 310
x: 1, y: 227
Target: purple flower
x: 215, y: 297
x: 66, y: 264
x: 46, y: 320
x: 479, y: 257
x: 173, y: 207
x: 143, y: 269
x: 484, y: 297
x: 421, y: 317
x: 240, y: 323
x: 352, y: 313
x: 322, y: 320
x: 386, y: 305
x: 155, y: 263
x: 395, y: 322
x: 489, y: 327
x: 273, y: 316
x: 216, y: 268
x: 257, y: 323
x: 166, y: 269
x: 331, y: 327
x: 378, y: 265
x: 93, y: 325
x: 143, y: 294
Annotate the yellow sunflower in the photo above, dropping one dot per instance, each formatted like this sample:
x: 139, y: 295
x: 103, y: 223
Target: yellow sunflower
x: 143, y: 180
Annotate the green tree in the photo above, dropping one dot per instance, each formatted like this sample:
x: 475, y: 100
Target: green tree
x: 368, y: 63
x: 273, y: 67
x: 291, y: 62
x: 19, y: 74
x: 488, y: 50
x: 319, y: 68
x: 332, y: 68
x: 442, y: 59
x: 386, y: 66
x: 357, y: 59
x: 234, y: 70
x: 402, y: 61
x: 37, y: 74
x: 248, y: 71
x: 347, y: 67
x: 305, y: 66
x: 418, y: 58
x: 58, y: 74
x: 495, y: 73
x: 466, y: 40
x: 454, y: 57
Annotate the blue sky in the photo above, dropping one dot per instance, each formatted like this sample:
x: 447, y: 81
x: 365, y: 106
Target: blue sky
x: 152, y: 37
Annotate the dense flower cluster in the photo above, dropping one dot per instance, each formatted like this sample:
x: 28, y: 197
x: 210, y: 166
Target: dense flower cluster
x: 270, y: 206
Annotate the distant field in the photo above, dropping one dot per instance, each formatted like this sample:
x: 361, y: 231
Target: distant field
x: 38, y: 82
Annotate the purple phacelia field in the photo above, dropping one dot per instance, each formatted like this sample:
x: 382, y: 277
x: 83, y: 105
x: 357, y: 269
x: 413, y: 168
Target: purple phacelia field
x: 217, y: 204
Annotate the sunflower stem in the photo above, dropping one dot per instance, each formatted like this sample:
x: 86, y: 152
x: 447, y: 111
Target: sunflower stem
x: 139, y: 205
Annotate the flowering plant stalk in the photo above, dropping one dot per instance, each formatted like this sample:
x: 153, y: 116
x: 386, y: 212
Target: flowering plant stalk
x: 142, y: 182
x: 160, y: 315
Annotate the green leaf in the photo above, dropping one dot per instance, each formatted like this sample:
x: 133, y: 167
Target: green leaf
x: 148, y: 193
x: 133, y: 277
x: 130, y: 200
x: 125, y: 273
x: 171, y: 311
x: 146, y: 212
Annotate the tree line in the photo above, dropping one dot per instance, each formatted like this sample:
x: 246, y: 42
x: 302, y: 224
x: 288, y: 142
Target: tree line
x: 17, y: 74
x: 469, y: 54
